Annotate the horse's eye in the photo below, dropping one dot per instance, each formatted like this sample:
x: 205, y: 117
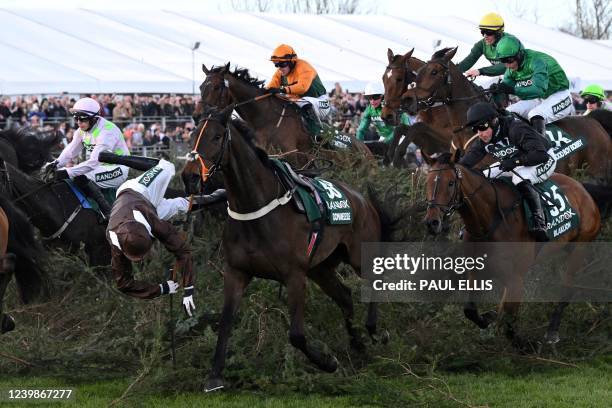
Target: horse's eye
x: 451, y: 183
x: 434, y: 72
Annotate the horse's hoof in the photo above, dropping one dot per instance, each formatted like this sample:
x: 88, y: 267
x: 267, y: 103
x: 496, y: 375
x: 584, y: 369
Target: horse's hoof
x: 213, y: 384
x: 330, y: 366
x: 8, y: 324
x: 489, y: 317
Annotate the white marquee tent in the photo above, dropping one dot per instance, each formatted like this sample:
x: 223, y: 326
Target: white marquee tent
x: 150, y: 51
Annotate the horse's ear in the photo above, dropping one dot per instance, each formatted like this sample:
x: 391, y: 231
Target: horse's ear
x: 450, y: 54
x: 407, y: 57
x: 428, y: 159
x: 390, y: 55
x: 457, y: 155
x: 205, y: 70
x: 227, y: 67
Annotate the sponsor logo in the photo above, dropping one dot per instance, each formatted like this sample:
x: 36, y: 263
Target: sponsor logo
x: 501, y: 153
x: 557, y: 138
x: 526, y: 82
x: 561, y: 218
x: 323, y: 104
x: 338, y: 204
x: 109, y: 175
x: 561, y: 105
x: 147, y: 178
x: 543, y: 168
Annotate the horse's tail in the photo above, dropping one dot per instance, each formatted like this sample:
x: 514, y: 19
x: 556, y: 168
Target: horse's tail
x: 389, y: 219
x: 602, y: 195
x: 604, y: 117
x: 30, y: 274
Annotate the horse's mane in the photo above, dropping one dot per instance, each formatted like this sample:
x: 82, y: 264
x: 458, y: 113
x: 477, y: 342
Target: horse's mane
x: 242, y: 74
x: 14, y: 134
x: 440, y: 53
x: 444, y: 158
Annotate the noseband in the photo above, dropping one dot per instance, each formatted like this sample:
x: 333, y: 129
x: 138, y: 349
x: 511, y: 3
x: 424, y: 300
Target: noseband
x: 455, y: 202
x: 194, y: 155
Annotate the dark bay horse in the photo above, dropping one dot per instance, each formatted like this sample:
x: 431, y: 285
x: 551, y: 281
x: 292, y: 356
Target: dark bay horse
x: 56, y: 212
x: 267, y: 239
x: 277, y: 122
x: 439, y: 81
x: 430, y: 135
x: 20, y: 255
x: 492, y: 212
x: 26, y: 148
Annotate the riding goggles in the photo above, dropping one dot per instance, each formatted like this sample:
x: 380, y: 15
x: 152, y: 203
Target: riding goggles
x: 590, y: 99
x: 482, y: 127
x: 488, y: 32
x: 374, y: 97
x: 80, y: 117
x: 282, y: 64
x: 507, y: 60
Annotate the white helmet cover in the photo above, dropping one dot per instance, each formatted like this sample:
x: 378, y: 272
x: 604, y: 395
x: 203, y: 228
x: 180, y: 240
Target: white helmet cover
x: 374, y: 88
x: 87, y: 106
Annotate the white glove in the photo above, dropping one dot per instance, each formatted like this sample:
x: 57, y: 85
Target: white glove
x: 188, y: 301
x: 168, y: 287
x: 473, y: 73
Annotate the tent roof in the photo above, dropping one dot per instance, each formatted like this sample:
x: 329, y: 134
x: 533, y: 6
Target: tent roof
x: 124, y: 51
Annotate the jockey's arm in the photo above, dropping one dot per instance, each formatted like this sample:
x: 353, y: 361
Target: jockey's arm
x: 71, y: 151
x: 176, y: 243
x: 275, y: 82
x: 469, y: 61
x: 532, y: 145
x: 363, y: 125
x: 474, y: 154
x: 539, y: 82
x: 124, y: 278
x: 91, y: 163
x: 493, y: 70
x: 304, y: 76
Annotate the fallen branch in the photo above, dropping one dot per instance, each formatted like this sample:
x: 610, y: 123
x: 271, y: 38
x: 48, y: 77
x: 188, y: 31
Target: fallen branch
x: 16, y: 359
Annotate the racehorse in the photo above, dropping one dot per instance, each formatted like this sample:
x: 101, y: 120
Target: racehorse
x: 433, y: 132
x: 267, y: 239
x: 277, y: 122
x: 492, y: 212
x: 26, y: 148
x: 439, y: 81
x: 21, y: 255
x: 54, y: 209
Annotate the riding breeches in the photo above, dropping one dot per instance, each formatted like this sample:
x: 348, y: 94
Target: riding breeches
x: 535, y: 174
x: 108, y: 176
x: 321, y: 106
x: 152, y: 184
x: 555, y: 107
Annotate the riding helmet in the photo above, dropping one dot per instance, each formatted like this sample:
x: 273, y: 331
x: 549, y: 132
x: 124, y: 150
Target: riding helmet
x: 480, y: 112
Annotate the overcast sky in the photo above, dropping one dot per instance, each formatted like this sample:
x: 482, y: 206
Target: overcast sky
x: 551, y: 13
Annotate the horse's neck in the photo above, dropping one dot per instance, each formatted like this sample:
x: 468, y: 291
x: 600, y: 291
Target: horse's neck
x: 250, y: 183
x: 480, y: 206
x: 460, y: 88
x: 253, y: 113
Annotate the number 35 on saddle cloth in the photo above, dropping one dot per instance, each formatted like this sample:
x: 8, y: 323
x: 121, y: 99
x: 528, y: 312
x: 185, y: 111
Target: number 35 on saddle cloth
x: 320, y: 200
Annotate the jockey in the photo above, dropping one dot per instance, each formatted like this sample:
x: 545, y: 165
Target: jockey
x: 594, y: 96
x: 296, y: 77
x: 492, y: 30
x: 139, y: 216
x: 96, y: 134
x: 538, y: 80
x: 524, y: 156
x: 374, y: 92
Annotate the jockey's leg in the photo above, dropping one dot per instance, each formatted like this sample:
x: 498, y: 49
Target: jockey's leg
x: 522, y: 108
x: 539, y: 124
x: 555, y: 107
x: 313, y: 125
x: 92, y: 190
x: 524, y: 178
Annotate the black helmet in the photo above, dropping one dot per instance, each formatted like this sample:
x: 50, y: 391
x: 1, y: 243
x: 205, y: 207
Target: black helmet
x: 480, y: 113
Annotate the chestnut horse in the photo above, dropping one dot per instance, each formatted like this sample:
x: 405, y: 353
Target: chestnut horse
x: 439, y: 81
x: 492, y: 212
x: 277, y: 122
x: 265, y: 238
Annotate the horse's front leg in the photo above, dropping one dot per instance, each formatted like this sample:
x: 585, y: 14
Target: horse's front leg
x: 296, y: 297
x: 7, y: 323
x: 234, y: 283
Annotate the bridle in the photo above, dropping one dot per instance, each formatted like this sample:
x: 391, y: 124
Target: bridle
x: 456, y: 200
x: 205, y: 172
x: 404, y: 85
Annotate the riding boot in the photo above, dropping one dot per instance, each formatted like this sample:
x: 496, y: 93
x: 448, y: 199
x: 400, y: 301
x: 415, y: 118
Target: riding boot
x: 92, y: 190
x: 313, y: 124
x: 197, y: 202
x: 539, y: 125
x: 532, y: 197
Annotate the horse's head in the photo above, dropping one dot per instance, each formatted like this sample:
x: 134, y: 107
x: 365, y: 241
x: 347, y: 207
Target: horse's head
x: 215, y: 89
x: 33, y: 148
x: 396, y: 79
x: 443, y: 189
x: 433, y: 81
x: 210, y: 140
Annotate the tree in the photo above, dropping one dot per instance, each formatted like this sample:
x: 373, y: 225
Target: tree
x: 300, y: 6
x: 593, y: 19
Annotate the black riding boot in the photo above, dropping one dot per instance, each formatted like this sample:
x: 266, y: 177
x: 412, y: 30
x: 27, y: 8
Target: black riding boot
x: 532, y: 197
x: 92, y: 190
x: 313, y: 124
x: 201, y: 201
x: 539, y: 125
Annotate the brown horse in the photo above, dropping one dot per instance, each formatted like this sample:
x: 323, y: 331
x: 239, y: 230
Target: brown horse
x: 439, y: 81
x: 433, y: 133
x: 21, y: 255
x: 277, y: 122
x: 268, y: 239
x: 491, y: 213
